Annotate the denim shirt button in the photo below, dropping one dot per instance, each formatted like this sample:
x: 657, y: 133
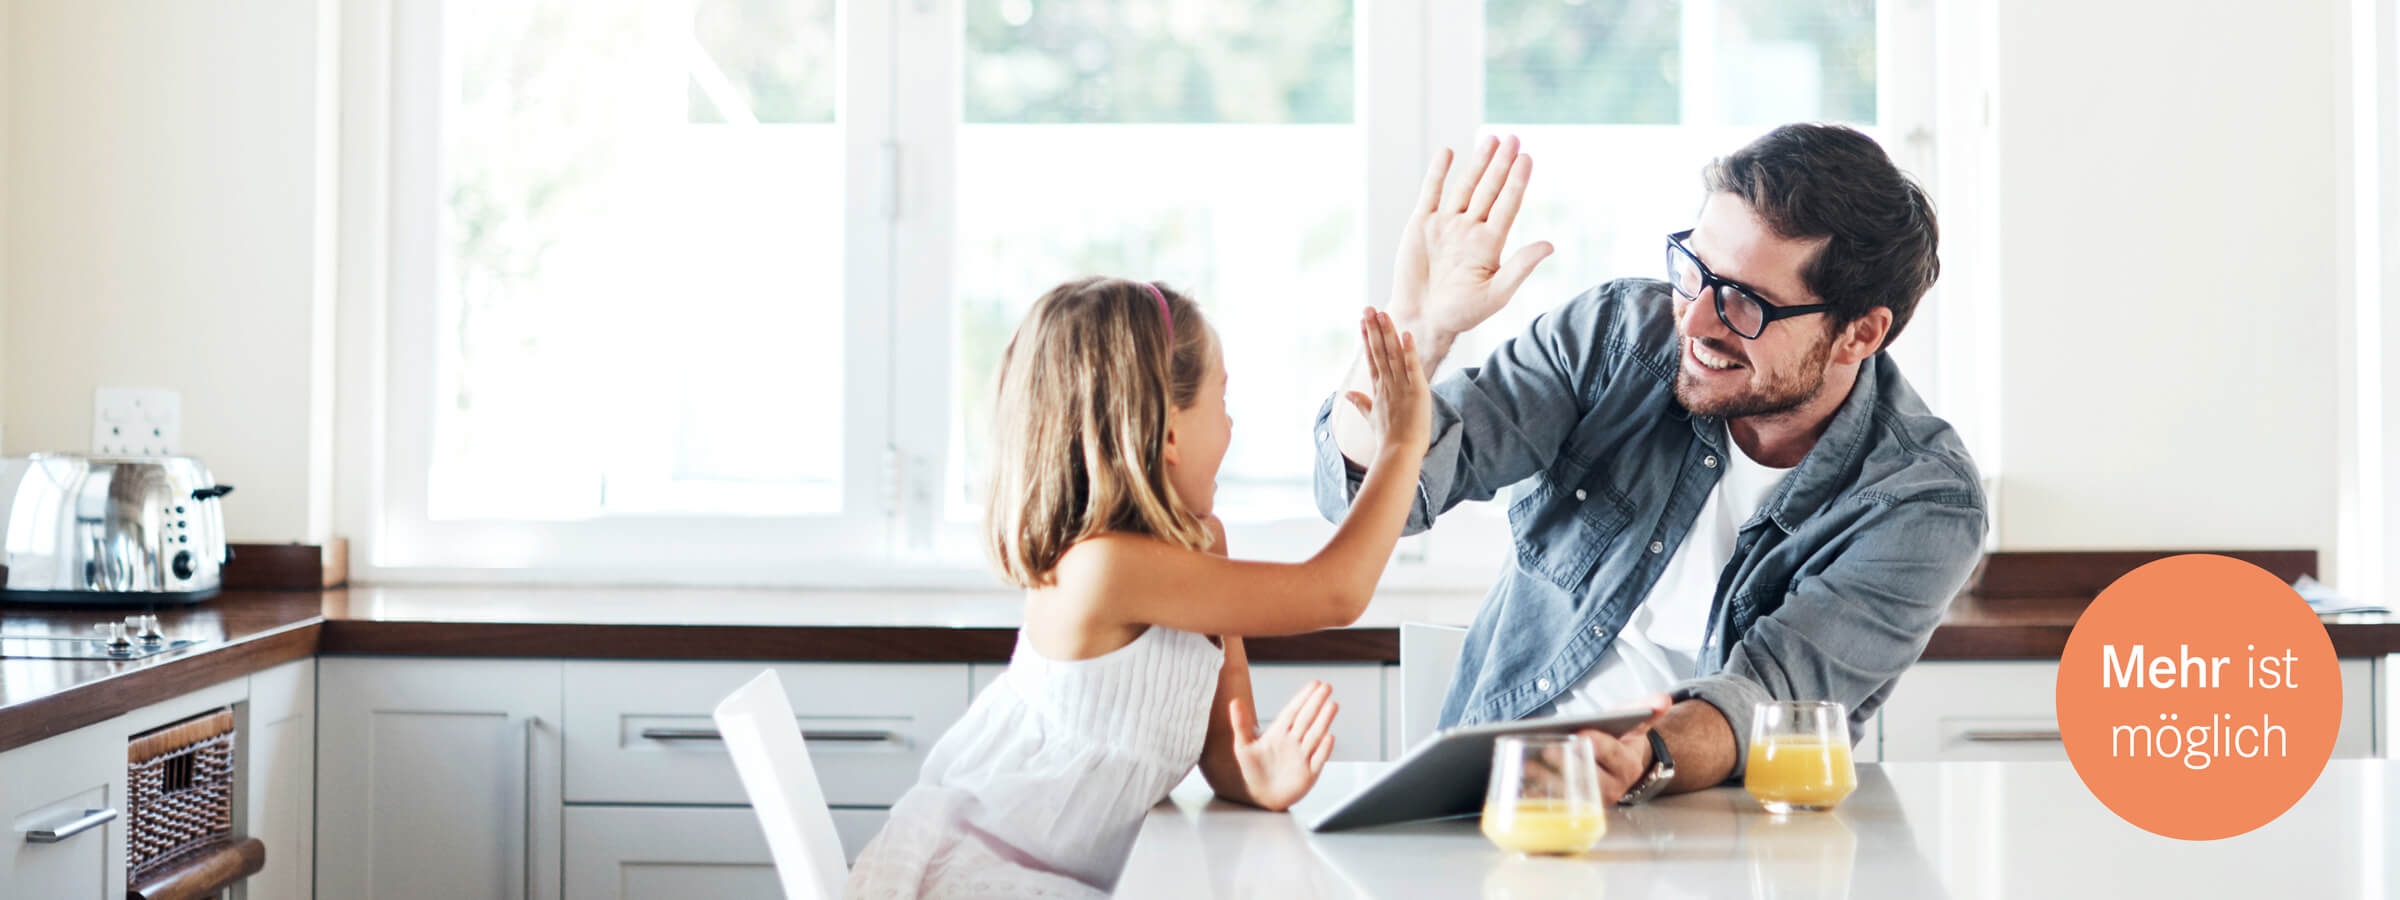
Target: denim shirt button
x: 1658, y: 546
x: 1598, y: 631
x: 1710, y: 462
x: 1578, y: 493
x: 1541, y: 684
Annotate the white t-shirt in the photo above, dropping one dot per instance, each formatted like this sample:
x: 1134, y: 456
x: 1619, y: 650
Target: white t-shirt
x: 1660, y: 644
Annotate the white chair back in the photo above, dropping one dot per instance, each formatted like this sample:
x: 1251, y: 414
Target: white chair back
x: 772, y: 758
x: 1428, y: 656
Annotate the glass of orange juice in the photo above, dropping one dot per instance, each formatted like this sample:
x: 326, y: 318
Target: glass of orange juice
x: 1544, y: 796
x: 1800, y: 756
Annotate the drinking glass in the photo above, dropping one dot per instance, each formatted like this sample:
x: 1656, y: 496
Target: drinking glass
x: 1800, y: 756
x: 1544, y: 795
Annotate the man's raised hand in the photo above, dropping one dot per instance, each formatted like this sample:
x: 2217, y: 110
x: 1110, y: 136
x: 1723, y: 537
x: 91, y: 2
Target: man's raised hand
x: 1448, y: 276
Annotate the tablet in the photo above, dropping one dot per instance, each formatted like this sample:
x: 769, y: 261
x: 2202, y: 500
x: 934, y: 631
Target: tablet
x: 1445, y: 774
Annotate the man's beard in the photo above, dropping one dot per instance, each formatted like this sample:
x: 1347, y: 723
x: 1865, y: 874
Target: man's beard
x: 1782, y: 394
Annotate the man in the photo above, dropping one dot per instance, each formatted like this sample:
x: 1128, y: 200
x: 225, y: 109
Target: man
x: 1726, y: 492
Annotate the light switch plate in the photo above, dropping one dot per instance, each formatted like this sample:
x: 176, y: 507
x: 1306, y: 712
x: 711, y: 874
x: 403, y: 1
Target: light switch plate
x: 136, y: 422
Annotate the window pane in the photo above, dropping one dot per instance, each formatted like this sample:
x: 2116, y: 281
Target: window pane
x: 1665, y: 62
x: 1573, y: 79
x: 642, y: 256
x: 1592, y: 61
x: 1247, y: 199
x: 1058, y: 61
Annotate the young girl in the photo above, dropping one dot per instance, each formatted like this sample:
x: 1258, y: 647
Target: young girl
x: 1129, y: 670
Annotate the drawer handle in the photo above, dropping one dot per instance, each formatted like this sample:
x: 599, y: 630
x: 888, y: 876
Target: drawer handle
x: 2008, y: 736
x: 91, y: 818
x: 710, y: 734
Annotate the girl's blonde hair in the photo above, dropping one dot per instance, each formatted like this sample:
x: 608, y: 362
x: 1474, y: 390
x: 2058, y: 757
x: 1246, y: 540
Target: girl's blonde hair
x: 1086, y: 387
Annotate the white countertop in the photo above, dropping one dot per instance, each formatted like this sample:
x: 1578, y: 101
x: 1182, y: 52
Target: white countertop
x: 1913, y: 830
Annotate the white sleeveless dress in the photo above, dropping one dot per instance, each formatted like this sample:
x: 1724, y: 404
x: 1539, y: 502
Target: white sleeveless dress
x: 1040, y: 789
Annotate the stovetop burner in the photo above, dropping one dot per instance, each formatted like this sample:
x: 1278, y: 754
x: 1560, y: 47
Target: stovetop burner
x: 137, y: 637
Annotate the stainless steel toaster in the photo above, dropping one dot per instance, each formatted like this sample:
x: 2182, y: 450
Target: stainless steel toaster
x: 110, y: 530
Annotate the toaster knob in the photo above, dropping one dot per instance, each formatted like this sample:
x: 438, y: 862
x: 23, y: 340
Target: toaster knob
x: 183, y: 564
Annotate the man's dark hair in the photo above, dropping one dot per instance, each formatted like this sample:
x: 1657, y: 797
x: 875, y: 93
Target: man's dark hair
x: 1828, y: 181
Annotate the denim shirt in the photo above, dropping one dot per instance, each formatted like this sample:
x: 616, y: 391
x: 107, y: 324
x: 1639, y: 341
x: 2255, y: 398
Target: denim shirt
x: 1835, y: 584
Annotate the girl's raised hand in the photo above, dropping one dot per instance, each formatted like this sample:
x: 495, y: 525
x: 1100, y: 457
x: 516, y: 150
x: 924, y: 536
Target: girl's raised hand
x: 1282, y: 762
x: 1401, y: 412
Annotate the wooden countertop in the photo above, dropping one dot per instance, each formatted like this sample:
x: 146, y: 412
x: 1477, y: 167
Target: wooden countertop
x: 247, y: 631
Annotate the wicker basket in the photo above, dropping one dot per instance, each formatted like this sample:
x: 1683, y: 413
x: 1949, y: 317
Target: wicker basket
x: 179, y: 787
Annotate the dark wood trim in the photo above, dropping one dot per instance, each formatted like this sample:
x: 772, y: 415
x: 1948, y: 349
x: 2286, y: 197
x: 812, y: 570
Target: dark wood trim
x: 718, y: 642
x: 288, y: 567
x: 1368, y: 645
x: 204, y: 873
x: 2085, y: 573
x: 747, y: 642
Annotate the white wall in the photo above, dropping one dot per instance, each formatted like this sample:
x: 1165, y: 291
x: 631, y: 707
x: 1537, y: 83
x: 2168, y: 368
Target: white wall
x: 2167, y: 237
x: 166, y: 214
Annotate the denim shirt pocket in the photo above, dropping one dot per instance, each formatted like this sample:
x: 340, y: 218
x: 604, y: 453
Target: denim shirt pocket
x: 1560, y: 538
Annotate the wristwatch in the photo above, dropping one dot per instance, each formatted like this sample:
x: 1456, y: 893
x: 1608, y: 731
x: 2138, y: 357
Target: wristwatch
x: 1662, y: 770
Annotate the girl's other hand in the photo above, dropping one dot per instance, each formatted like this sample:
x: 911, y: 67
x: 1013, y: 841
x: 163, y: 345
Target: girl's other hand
x: 1282, y: 762
x: 1401, y: 412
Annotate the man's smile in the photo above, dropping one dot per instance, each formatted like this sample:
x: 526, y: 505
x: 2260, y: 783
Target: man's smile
x: 1707, y: 359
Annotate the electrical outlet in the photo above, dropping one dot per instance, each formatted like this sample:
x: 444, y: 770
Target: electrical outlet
x: 136, y: 422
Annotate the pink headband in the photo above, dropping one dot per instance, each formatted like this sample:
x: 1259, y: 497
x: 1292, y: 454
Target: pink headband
x: 1163, y: 314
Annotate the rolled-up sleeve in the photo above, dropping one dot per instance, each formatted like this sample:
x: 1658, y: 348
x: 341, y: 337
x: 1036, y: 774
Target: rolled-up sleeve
x: 1856, y: 625
x: 1493, y: 424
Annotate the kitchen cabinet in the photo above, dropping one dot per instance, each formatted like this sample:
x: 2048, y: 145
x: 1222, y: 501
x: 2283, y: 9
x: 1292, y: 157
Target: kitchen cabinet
x: 1994, y: 710
x: 55, y: 794
x: 279, y: 755
x: 1359, y: 731
x: 667, y: 853
x: 438, y: 778
x: 641, y: 733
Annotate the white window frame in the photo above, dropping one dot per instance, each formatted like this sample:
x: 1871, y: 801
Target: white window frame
x: 900, y: 105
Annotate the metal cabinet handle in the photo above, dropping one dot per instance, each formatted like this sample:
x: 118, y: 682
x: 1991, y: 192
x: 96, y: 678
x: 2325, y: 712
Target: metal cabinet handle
x: 851, y: 737
x: 711, y: 734
x: 90, y: 819
x: 681, y: 734
x: 2011, y: 736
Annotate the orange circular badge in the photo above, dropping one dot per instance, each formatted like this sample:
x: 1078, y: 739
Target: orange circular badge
x: 2199, y: 697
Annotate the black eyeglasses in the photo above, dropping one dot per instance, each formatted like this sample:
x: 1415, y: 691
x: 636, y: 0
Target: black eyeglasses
x: 1742, y: 310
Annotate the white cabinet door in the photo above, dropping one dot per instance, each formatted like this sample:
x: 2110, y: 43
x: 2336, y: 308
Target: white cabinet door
x: 2007, y: 710
x: 279, y: 759
x: 65, y: 787
x: 1974, y: 710
x: 681, y: 852
x: 1358, y: 731
x: 1357, y: 687
x: 438, y: 778
x: 667, y: 853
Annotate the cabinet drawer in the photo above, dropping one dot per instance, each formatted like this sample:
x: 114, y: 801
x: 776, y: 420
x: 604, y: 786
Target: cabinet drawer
x: 1974, y: 711
x: 641, y: 733
x: 679, y: 852
x: 667, y: 853
x: 2009, y: 711
x: 67, y: 788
